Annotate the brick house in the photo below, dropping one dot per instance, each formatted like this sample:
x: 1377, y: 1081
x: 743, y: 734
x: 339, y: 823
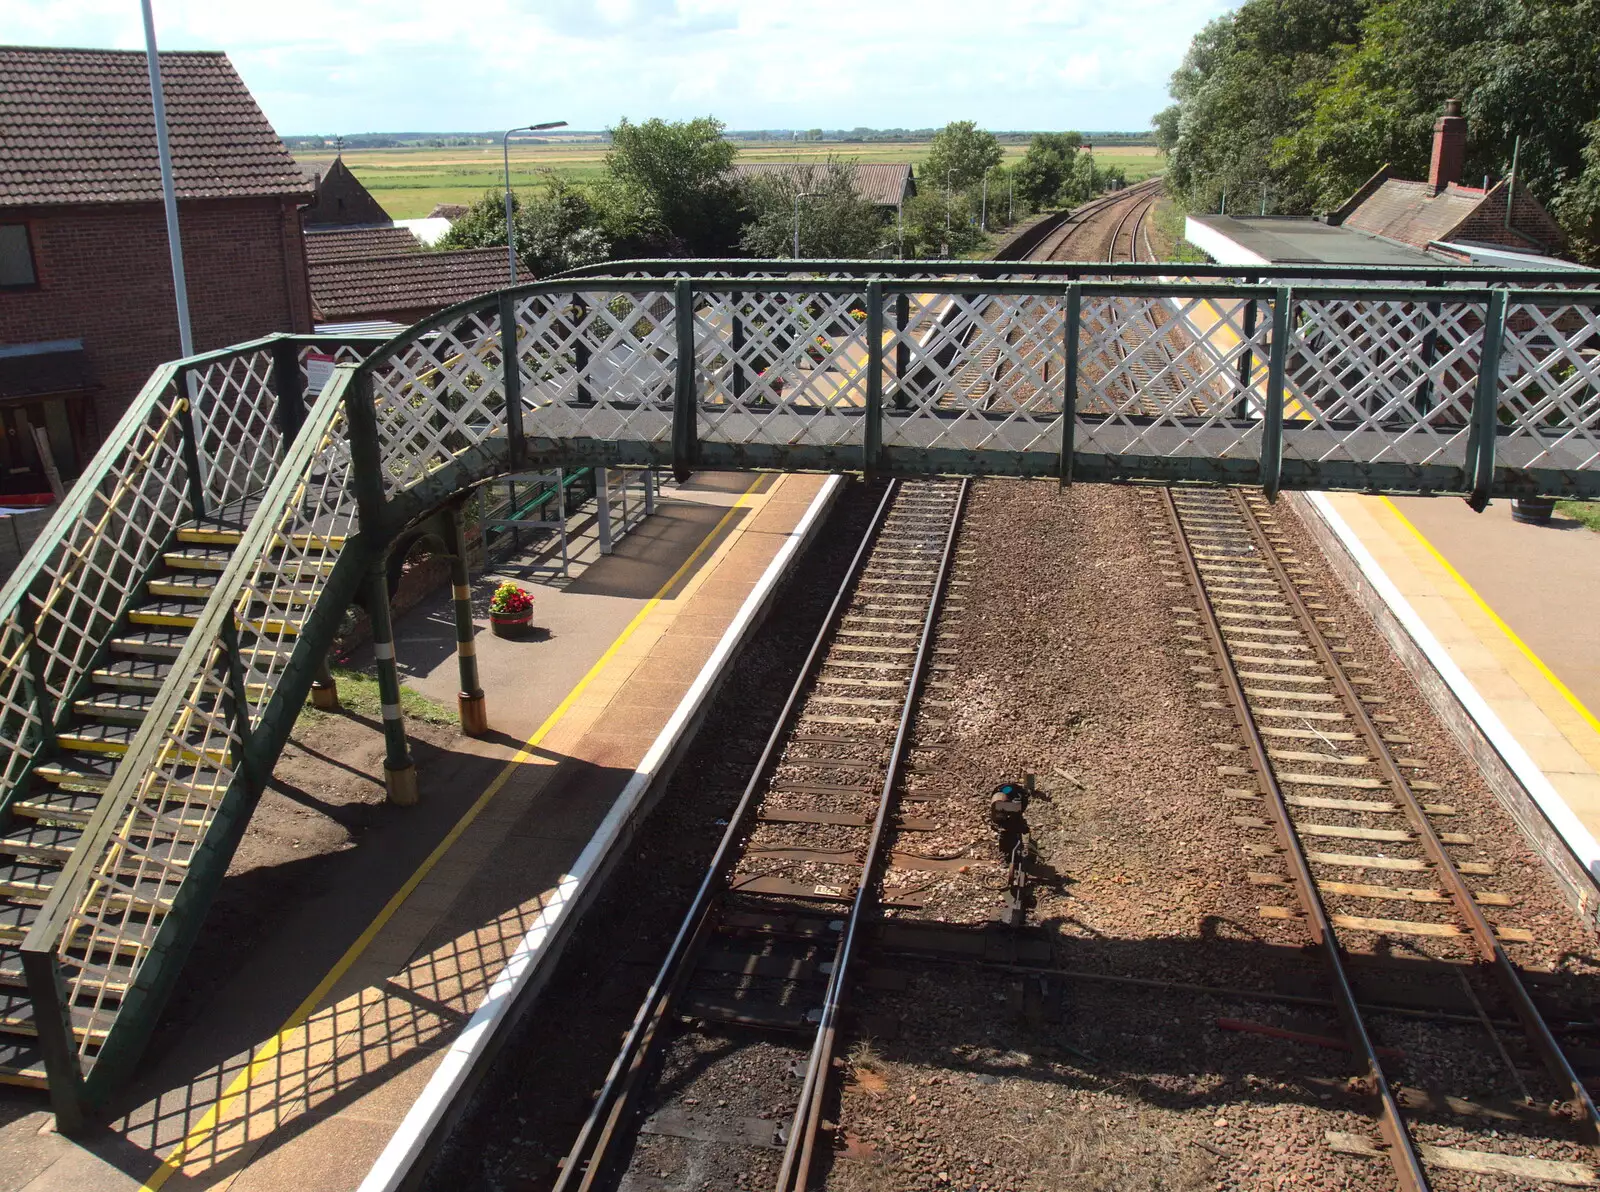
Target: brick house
x: 86, y: 300
x: 341, y: 200
x: 1444, y: 216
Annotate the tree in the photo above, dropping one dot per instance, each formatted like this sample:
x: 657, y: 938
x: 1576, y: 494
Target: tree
x: 1522, y: 68
x: 558, y: 229
x: 961, y: 154
x: 934, y: 226
x: 1241, y: 87
x: 669, y: 189
x: 1165, y: 122
x: 1042, y: 174
x: 834, y: 220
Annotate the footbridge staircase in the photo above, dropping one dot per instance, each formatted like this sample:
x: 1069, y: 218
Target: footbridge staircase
x: 161, y: 636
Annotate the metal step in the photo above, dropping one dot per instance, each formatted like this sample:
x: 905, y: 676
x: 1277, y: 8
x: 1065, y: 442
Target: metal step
x: 11, y: 974
x: 198, y: 558
x: 122, y: 707
x: 97, y: 738
x: 148, y: 642
x: 39, y: 842
x: 132, y: 674
x: 15, y: 919
x: 21, y: 1063
x: 16, y: 1018
x: 189, y: 585
x: 81, y: 772
x: 53, y: 805
x: 169, y: 614
x: 21, y: 878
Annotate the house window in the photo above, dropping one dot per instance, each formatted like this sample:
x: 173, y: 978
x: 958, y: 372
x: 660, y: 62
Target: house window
x: 16, y: 257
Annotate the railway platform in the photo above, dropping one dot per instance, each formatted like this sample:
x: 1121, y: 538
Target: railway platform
x: 310, y: 1054
x: 1502, y: 610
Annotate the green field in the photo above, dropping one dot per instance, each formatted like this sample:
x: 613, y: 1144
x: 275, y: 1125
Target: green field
x: 409, y: 182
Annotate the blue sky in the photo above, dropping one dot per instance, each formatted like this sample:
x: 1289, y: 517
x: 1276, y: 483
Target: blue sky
x: 328, y: 66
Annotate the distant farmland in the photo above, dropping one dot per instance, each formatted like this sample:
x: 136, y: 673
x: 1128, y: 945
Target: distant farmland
x: 409, y: 182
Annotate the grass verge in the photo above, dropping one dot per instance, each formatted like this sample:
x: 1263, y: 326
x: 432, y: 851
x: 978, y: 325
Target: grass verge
x: 1587, y: 512
x: 358, y: 693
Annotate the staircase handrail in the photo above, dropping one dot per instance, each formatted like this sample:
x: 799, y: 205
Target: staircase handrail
x: 157, y: 756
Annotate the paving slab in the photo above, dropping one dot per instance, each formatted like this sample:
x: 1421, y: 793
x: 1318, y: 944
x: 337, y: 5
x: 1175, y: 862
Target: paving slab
x: 308, y: 1057
x: 1511, y: 605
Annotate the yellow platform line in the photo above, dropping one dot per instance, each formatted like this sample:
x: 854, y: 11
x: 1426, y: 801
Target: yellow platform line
x: 265, y: 1054
x: 1561, y: 688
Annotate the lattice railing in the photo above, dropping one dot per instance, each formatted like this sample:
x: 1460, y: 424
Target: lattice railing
x: 189, y: 764
x: 1311, y: 387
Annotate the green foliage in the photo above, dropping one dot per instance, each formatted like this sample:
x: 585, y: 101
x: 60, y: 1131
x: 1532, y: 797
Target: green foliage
x: 936, y: 227
x: 1241, y: 88
x: 961, y: 154
x: 1311, y: 97
x: 1043, y: 174
x: 835, y: 221
x: 560, y: 229
x: 668, y: 190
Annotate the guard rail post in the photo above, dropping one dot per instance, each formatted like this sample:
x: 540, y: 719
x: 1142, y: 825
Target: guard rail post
x: 1069, y: 379
x: 399, y: 774
x: 471, y: 704
x: 1272, y: 401
x: 685, y: 401
x: 191, y: 444
x: 1486, y: 404
x: 511, y: 379
x: 872, y: 429
x: 290, y: 388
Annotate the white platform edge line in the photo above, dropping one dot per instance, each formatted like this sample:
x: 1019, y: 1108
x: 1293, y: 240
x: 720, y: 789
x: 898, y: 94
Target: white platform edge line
x: 394, y: 1165
x: 1578, y: 838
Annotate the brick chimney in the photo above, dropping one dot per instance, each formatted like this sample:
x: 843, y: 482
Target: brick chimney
x: 1449, y: 146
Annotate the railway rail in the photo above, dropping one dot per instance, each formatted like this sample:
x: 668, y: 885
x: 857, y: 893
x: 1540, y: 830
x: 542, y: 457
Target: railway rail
x: 766, y: 947
x: 1318, y: 761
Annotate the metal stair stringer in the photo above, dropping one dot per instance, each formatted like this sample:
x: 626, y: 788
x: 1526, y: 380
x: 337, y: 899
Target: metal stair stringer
x: 132, y: 898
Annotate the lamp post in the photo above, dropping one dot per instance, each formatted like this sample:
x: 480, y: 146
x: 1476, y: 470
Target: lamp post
x: 169, y: 201
x: 505, y: 152
x: 804, y: 194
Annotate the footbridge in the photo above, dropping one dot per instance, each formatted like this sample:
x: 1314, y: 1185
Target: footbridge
x: 161, y: 636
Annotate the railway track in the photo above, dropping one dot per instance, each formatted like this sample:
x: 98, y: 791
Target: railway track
x: 1082, y: 236
x: 1350, y: 838
x: 756, y: 977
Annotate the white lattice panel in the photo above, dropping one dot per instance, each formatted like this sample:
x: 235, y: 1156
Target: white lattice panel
x: 781, y: 368
x: 1550, y: 387
x: 1377, y: 380
x: 1161, y: 376
x: 437, y: 396
x: 236, y: 430
x: 598, y: 365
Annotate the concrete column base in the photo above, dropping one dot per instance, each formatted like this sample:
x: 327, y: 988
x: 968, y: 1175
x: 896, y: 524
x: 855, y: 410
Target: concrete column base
x: 325, y: 696
x: 401, y: 785
x: 473, y: 711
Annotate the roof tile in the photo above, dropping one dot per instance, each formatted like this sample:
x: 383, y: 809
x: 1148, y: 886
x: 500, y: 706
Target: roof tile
x: 78, y: 126
x: 349, y: 289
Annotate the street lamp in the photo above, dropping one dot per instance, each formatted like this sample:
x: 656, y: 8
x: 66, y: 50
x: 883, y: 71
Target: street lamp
x: 505, y: 152
x: 804, y: 194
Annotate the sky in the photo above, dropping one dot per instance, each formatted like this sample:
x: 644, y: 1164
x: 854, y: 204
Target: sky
x: 349, y: 66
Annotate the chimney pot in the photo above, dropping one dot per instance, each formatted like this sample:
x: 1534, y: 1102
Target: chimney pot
x: 1449, y: 147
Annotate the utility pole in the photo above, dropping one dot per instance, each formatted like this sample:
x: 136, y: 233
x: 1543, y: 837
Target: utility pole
x: 169, y: 196
x: 505, y: 152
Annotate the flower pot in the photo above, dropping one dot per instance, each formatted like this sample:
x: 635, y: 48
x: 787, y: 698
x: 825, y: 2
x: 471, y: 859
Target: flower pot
x: 509, y: 626
x: 1532, y: 511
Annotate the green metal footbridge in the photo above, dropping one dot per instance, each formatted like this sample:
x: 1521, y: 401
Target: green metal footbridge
x: 161, y: 636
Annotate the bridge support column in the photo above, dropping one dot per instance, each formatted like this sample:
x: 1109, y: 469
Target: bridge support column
x: 471, y: 707
x: 325, y: 688
x: 399, y: 775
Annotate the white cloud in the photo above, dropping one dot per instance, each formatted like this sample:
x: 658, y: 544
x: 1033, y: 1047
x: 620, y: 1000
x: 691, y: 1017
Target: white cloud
x: 373, y: 65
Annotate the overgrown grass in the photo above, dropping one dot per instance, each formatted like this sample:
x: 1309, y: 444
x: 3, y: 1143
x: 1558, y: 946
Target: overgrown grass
x: 1169, y: 223
x: 1587, y: 512
x: 358, y: 693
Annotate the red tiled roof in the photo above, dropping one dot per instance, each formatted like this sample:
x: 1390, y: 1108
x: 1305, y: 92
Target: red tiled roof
x: 349, y: 244
x: 881, y: 183
x: 405, y: 282
x: 78, y: 126
x: 1412, y: 213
